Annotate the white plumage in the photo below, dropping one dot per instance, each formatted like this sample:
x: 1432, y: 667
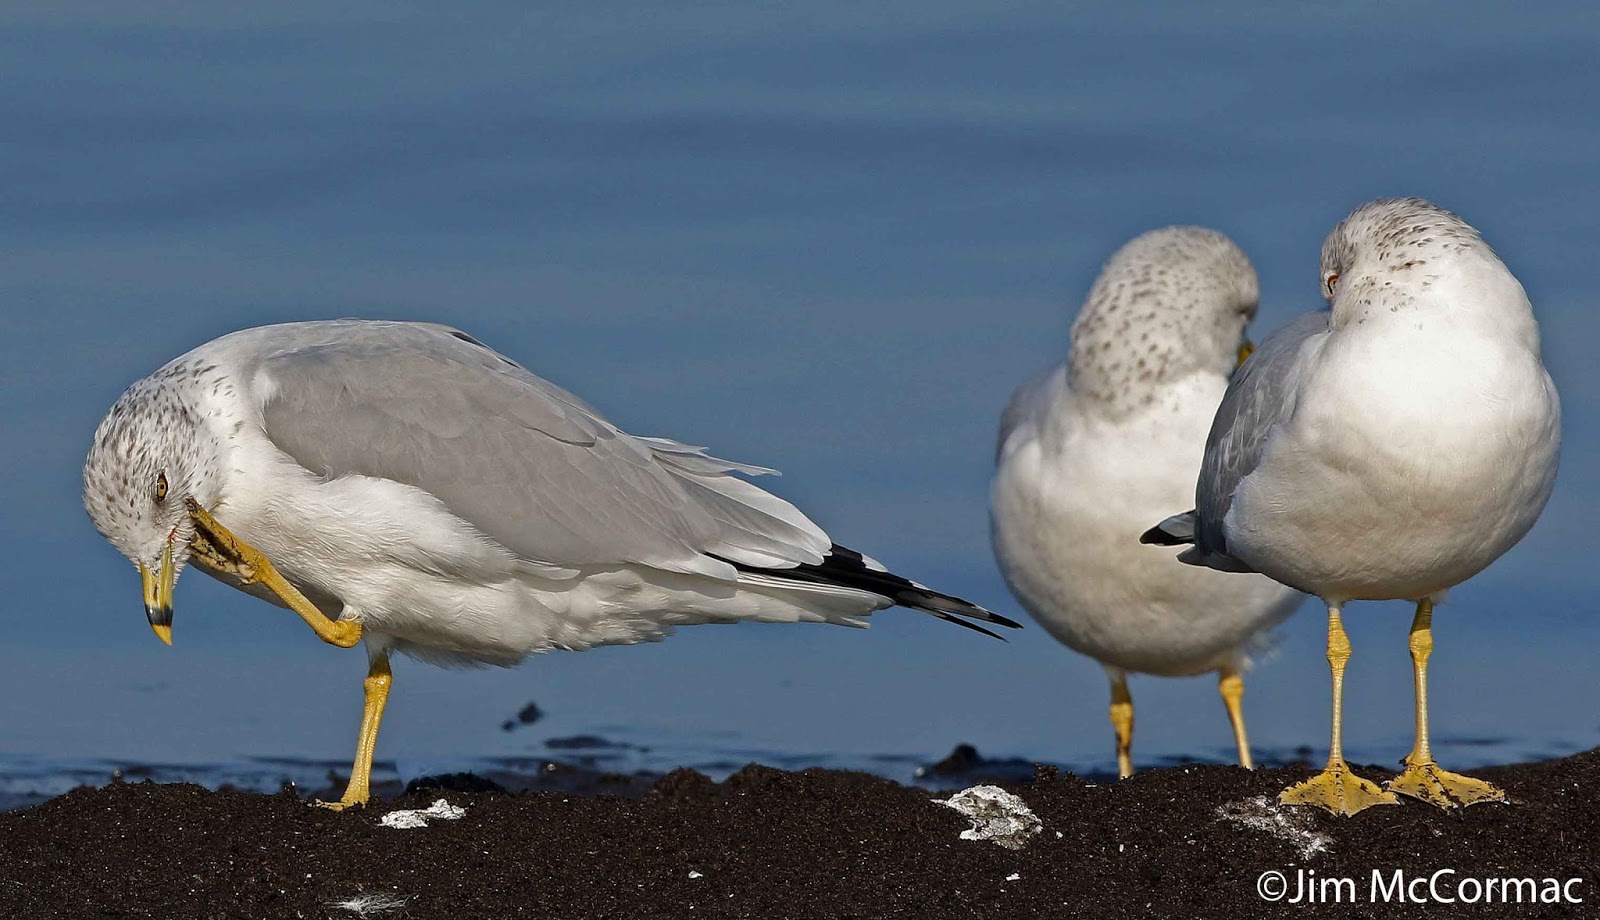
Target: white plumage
x: 1090, y: 451
x: 407, y: 479
x: 1389, y: 449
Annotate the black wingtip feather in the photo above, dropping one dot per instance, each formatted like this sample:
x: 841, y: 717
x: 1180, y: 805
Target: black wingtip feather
x: 1155, y: 536
x: 1177, y: 530
x: 971, y: 625
x: 847, y: 568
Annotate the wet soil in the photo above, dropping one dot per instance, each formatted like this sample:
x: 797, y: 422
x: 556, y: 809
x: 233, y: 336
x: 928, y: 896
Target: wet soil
x: 1188, y: 842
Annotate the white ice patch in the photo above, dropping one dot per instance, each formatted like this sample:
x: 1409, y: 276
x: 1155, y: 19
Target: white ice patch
x: 406, y: 819
x: 1292, y: 825
x: 996, y: 815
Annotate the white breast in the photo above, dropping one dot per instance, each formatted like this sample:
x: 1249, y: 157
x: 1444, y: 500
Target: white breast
x: 1070, y: 500
x: 1421, y: 449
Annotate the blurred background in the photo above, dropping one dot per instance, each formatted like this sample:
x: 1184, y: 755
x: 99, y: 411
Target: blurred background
x: 828, y: 237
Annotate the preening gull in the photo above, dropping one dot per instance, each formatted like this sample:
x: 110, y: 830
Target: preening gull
x: 1390, y: 449
x: 403, y: 485
x: 1103, y: 444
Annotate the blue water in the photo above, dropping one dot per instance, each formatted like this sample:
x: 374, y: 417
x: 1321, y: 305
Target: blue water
x: 827, y: 237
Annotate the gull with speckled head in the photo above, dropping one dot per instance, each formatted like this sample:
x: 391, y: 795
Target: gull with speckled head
x: 1093, y: 450
x: 405, y: 486
x: 1389, y: 449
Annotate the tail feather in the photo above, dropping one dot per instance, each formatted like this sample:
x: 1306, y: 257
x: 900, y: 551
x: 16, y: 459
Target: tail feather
x: 849, y: 569
x: 1174, y: 531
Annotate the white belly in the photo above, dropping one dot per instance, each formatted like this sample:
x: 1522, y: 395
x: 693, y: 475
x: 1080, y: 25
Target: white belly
x: 423, y: 581
x: 1067, y: 520
x: 1405, y: 470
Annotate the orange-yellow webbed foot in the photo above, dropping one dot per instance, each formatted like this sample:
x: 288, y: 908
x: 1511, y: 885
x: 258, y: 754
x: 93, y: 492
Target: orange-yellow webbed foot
x: 1339, y: 790
x: 1426, y: 781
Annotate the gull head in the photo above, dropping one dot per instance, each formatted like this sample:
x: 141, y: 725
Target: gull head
x: 148, y: 459
x: 1389, y: 240
x: 1169, y: 303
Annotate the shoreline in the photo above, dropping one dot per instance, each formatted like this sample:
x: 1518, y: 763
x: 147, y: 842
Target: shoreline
x: 1193, y: 841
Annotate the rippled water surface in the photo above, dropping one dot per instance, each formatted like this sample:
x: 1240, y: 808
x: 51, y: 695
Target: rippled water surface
x: 829, y: 238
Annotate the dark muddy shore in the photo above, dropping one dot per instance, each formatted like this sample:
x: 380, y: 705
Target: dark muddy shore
x: 1180, y: 842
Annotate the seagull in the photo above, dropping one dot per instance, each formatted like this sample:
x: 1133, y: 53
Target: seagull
x: 404, y: 486
x: 1389, y: 449
x: 1099, y: 446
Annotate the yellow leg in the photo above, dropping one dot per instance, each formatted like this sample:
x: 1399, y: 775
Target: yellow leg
x: 1122, y: 722
x: 1336, y: 788
x: 377, y: 684
x: 1422, y: 778
x: 1230, y: 684
x: 217, y: 547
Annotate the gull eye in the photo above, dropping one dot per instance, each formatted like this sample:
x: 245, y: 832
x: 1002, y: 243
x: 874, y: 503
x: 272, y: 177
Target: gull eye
x: 161, y: 487
x: 1330, y: 282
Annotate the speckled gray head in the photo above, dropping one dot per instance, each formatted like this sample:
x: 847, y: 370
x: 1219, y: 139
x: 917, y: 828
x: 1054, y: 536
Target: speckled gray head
x: 1169, y: 303
x: 146, y: 461
x: 1390, y: 239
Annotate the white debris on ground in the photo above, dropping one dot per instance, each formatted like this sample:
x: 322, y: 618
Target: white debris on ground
x: 1013, y: 877
x: 996, y: 815
x: 1292, y: 825
x: 695, y: 873
x: 370, y: 905
x: 406, y: 819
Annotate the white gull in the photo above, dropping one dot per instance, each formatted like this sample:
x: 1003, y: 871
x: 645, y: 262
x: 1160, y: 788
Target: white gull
x: 1390, y: 449
x: 1101, y: 445
x: 403, y: 485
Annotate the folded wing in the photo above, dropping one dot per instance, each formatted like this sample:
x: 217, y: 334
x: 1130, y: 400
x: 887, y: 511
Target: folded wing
x: 529, y: 464
x: 1260, y: 396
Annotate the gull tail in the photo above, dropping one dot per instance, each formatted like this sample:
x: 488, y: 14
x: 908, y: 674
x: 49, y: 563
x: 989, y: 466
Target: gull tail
x: 847, y: 568
x: 1178, y: 530
x: 1174, y: 531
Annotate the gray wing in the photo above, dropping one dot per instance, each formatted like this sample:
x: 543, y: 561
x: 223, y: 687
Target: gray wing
x: 1261, y: 394
x: 521, y: 459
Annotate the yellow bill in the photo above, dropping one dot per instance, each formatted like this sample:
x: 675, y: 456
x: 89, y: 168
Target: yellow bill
x: 158, y: 595
x: 1246, y: 349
